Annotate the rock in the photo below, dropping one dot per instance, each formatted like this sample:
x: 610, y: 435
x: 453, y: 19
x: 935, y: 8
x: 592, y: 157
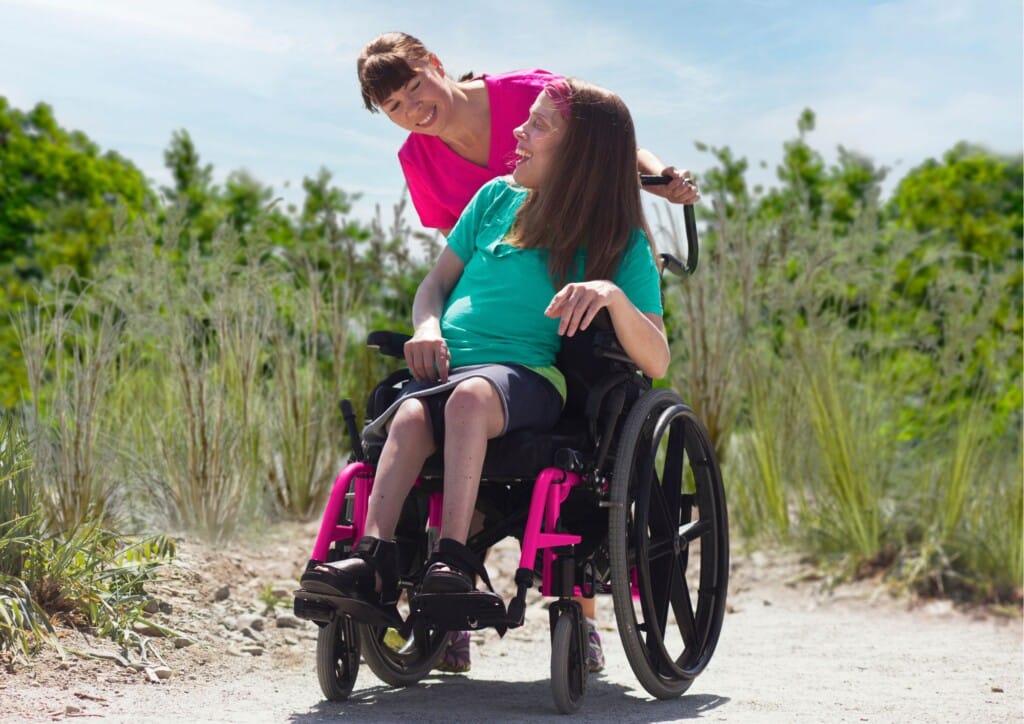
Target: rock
x: 287, y: 620
x: 162, y: 672
x: 251, y: 634
x: 252, y: 650
x: 181, y: 642
x: 283, y: 589
x: 250, y: 620
x: 222, y: 593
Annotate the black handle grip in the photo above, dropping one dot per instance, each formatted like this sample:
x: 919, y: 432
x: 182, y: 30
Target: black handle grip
x: 689, y: 224
x: 348, y: 414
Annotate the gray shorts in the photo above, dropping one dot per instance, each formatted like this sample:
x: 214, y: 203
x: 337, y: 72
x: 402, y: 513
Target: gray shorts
x: 529, y: 400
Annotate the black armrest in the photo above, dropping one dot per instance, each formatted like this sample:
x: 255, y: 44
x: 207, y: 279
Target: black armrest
x: 607, y: 346
x: 391, y: 344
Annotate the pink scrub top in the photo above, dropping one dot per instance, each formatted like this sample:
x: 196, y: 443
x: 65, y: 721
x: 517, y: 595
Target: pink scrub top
x: 441, y: 182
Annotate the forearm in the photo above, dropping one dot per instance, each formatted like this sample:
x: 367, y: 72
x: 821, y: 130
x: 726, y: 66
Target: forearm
x: 647, y: 162
x: 642, y: 336
x: 427, y: 307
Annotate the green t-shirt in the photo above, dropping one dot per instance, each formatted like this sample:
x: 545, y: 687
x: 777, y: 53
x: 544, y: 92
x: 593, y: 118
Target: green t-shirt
x: 495, y: 312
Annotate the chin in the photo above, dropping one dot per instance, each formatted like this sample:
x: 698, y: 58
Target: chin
x: 523, y: 179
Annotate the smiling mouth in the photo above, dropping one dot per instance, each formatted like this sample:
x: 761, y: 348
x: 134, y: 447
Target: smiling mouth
x: 522, y: 156
x: 429, y: 118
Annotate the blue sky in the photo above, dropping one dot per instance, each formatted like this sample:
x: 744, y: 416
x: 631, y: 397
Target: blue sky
x: 270, y: 86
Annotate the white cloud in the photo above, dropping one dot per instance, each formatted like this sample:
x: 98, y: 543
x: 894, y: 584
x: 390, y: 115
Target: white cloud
x: 208, y: 23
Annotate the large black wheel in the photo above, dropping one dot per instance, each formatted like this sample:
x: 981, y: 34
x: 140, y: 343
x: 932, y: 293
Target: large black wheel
x: 398, y: 661
x: 337, y: 658
x: 668, y: 543
x: 568, y: 665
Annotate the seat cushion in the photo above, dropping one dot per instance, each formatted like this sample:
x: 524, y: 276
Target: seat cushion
x: 520, y: 455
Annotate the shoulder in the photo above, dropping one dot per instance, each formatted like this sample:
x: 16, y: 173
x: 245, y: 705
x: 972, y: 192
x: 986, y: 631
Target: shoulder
x: 520, y: 80
x: 417, y: 147
x: 501, y: 190
x: 638, y: 254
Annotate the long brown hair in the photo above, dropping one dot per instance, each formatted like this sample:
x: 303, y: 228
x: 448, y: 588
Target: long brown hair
x: 383, y: 66
x: 591, y: 198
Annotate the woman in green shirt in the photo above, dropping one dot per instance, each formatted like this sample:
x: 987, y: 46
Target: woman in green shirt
x: 533, y: 258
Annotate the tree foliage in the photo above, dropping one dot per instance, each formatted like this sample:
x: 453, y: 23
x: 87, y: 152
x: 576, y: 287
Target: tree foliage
x: 60, y: 198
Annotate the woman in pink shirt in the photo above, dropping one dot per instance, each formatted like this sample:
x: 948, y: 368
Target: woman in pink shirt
x: 461, y: 130
x: 460, y: 137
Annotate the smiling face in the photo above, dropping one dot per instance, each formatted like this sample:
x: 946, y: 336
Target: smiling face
x: 423, y: 104
x: 538, y: 140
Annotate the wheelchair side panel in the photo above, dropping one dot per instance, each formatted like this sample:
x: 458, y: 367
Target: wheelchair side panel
x: 330, y: 530
x: 549, y: 492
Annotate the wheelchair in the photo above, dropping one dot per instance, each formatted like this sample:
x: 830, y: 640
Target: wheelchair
x: 624, y: 497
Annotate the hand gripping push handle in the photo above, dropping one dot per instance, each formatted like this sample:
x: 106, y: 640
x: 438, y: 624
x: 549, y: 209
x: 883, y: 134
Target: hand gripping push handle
x: 689, y: 222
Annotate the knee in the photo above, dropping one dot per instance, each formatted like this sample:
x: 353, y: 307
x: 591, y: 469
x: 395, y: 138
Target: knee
x: 472, y: 402
x: 410, y: 423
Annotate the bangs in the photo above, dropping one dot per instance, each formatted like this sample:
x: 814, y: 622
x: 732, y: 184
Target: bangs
x: 381, y: 75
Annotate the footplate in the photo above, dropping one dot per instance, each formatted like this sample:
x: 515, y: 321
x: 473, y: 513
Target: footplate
x: 462, y: 611
x: 323, y: 607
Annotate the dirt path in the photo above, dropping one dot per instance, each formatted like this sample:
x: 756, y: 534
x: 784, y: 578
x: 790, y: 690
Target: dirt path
x: 789, y: 652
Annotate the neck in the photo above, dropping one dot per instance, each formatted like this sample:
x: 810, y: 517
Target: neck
x: 470, y: 116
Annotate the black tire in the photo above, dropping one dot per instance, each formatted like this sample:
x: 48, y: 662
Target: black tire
x: 568, y: 666
x: 401, y: 663
x: 668, y: 631
x: 337, y: 658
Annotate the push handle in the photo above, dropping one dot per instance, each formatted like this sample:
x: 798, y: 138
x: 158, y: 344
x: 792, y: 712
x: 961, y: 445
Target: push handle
x: 689, y: 223
x: 348, y: 414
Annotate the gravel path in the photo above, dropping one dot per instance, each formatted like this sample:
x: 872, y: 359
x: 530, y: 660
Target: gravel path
x: 790, y: 652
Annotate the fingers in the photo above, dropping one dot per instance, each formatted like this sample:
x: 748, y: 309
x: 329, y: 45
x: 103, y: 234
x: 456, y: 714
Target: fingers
x: 578, y: 304
x: 428, y: 360
x: 682, y: 189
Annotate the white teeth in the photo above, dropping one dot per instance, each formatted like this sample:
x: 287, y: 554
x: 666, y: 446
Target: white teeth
x: 429, y: 117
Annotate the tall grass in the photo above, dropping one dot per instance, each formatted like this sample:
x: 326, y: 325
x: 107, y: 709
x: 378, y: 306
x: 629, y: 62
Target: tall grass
x: 766, y: 453
x: 965, y: 538
x: 849, y: 412
x: 193, y: 384
x: 69, y: 354
x: 706, y: 319
x: 847, y: 476
x: 305, y: 426
x: 22, y: 621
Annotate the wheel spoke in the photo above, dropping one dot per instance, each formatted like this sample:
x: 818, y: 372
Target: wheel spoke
x: 694, y: 530
x: 682, y: 607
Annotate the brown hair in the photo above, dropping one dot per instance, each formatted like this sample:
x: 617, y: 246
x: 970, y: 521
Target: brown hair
x: 383, y: 66
x: 592, y: 196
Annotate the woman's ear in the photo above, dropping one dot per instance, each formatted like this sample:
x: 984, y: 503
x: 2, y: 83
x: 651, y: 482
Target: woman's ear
x: 436, y: 62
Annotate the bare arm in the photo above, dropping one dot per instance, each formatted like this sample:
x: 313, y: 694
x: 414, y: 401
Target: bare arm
x: 426, y: 353
x: 642, y: 335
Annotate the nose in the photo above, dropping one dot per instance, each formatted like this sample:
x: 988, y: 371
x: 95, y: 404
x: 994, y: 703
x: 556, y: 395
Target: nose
x: 519, y: 132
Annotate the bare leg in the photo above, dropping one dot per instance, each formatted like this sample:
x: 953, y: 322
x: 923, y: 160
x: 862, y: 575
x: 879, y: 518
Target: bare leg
x: 410, y: 442
x: 473, y: 415
x: 589, y: 606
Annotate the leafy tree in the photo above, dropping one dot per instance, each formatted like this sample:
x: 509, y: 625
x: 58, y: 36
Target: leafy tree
x: 60, y: 198
x: 972, y: 197
x: 193, y: 188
